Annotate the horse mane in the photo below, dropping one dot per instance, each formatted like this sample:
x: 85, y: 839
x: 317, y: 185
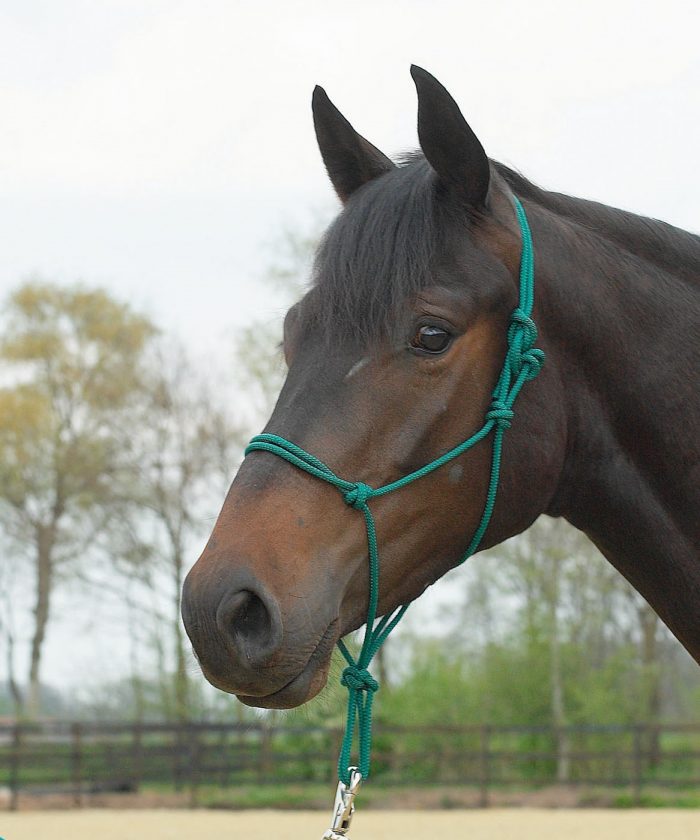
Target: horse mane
x: 669, y: 248
x: 380, y: 251
x: 382, y: 248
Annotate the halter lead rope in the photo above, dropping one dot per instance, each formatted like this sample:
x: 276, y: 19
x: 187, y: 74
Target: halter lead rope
x: 522, y: 363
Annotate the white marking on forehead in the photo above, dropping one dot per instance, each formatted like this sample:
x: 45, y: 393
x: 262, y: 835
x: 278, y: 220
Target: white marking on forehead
x: 356, y: 367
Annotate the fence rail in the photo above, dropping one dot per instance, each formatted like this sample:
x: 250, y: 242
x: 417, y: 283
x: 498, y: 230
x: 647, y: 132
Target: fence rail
x: 79, y: 758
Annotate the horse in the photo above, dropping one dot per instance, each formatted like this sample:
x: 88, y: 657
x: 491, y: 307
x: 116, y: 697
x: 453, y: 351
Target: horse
x: 392, y: 358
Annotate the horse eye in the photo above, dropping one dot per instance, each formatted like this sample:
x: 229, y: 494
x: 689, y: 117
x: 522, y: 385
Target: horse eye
x: 431, y: 339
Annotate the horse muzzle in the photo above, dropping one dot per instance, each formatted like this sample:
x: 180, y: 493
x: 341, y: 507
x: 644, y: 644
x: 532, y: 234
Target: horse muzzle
x: 244, y: 645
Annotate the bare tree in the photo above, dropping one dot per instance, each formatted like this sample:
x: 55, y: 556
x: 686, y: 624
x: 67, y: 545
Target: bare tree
x: 189, y: 446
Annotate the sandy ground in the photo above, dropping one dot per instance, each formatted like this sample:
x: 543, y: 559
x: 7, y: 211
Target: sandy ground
x: 515, y: 824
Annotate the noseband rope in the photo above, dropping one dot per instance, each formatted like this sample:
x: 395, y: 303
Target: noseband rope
x: 522, y: 363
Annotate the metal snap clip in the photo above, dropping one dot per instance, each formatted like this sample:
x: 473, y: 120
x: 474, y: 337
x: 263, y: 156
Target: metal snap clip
x: 344, y: 806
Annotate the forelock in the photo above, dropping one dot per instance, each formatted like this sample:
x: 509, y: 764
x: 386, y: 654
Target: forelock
x: 380, y: 252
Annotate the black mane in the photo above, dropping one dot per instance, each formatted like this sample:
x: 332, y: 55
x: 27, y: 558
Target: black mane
x: 381, y: 249
x: 671, y: 249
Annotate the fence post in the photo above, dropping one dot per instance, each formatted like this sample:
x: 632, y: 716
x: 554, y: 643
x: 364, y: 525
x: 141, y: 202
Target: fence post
x: 264, y: 755
x: 136, y: 756
x: 193, y: 762
x: 14, y: 765
x: 177, y: 746
x: 76, y: 762
x: 225, y: 749
x: 484, y: 765
x: 637, y: 764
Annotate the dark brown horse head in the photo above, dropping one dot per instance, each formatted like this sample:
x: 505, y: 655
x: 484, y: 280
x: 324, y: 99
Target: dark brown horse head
x: 393, y: 355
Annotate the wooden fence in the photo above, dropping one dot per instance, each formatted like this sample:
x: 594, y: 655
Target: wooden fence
x: 78, y: 758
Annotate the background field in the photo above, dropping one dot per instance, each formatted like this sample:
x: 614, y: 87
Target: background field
x: 260, y: 825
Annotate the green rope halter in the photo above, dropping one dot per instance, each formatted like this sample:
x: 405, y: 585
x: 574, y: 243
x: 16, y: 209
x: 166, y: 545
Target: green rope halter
x: 522, y: 363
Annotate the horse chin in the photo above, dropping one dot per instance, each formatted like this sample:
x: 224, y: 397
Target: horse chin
x: 298, y: 691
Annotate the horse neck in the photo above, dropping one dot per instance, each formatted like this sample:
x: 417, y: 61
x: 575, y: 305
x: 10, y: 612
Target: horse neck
x: 622, y: 329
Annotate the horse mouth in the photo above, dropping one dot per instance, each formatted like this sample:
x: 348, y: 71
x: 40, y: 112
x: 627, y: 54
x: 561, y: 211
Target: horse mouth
x: 306, y: 684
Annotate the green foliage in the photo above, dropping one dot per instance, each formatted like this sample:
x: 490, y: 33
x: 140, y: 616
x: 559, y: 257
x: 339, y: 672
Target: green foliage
x: 27, y: 427
x: 656, y: 799
x: 509, y: 683
x: 83, y: 341
x: 72, y: 358
x: 505, y: 684
x: 610, y: 693
x: 288, y: 797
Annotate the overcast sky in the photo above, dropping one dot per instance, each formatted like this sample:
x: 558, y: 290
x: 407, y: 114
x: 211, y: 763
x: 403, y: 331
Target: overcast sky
x: 159, y: 148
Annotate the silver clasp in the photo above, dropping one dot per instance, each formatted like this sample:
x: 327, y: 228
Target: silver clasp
x: 344, y: 806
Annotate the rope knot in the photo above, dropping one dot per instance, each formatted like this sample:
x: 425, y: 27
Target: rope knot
x: 500, y: 413
x: 358, y: 495
x: 359, y: 679
x: 522, y: 353
x: 522, y: 329
x: 533, y: 359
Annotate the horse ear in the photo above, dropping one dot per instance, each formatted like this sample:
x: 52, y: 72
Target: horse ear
x: 448, y: 143
x: 351, y: 160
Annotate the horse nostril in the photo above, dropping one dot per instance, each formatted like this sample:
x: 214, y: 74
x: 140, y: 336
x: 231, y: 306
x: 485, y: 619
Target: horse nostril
x: 249, y: 624
x: 248, y: 617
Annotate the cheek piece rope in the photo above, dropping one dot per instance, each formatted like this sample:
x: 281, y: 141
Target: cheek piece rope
x: 522, y: 363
